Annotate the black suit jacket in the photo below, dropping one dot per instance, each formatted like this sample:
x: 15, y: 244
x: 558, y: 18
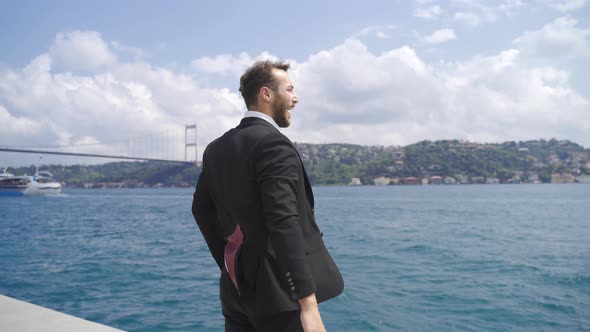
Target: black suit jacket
x: 252, y: 176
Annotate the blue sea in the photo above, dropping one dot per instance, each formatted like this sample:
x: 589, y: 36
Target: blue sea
x: 423, y: 258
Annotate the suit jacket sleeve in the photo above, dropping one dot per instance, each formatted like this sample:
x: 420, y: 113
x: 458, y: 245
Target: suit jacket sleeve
x: 206, y: 217
x: 278, y: 170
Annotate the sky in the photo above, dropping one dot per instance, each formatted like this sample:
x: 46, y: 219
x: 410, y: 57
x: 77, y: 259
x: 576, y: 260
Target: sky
x: 370, y: 72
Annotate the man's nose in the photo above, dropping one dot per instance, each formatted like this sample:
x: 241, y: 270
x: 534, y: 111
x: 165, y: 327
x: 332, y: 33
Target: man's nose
x: 295, y: 99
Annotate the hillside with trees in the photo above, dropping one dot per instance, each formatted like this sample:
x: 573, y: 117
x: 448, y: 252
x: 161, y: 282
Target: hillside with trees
x: 338, y: 163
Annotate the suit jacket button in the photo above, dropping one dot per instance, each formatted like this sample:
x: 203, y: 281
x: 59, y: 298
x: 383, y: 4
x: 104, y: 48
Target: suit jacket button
x: 288, y: 274
x: 292, y: 288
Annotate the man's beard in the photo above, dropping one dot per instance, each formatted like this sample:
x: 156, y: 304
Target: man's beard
x: 281, y: 112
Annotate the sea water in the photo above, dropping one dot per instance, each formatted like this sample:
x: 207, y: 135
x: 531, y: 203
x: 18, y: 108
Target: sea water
x: 414, y: 258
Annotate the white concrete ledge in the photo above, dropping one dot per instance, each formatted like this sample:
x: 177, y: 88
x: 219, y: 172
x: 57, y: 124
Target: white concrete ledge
x: 19, y: 316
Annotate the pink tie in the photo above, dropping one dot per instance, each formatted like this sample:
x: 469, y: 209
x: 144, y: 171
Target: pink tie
x: 234, y: 241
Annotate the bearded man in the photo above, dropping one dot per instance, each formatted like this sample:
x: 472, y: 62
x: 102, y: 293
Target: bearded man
x: 255, y: 208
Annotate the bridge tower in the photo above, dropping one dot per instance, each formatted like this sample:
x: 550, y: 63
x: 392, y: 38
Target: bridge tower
x: 190, y: 140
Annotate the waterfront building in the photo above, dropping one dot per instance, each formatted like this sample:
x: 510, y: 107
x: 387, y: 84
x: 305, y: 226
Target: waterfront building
x: 114, y: 185
x: 450, y: 180
x: 435, y: 179
x: 410, y: 181
x: 583, y: 179
x: 534, y: 178
x: 478, y: 179
x: 492, y: 181
x: 562, y: 178
x: 462, y: 179
x: 355, y: 182
x: 381, y: 181
x: 514, y: 180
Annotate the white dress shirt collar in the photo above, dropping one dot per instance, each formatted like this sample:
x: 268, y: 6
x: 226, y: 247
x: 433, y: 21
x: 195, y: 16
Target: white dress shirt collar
x: 260, y: 115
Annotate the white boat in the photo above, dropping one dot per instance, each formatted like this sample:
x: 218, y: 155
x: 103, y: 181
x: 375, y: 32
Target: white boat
x: 42, y: 183
x: 4, y: 174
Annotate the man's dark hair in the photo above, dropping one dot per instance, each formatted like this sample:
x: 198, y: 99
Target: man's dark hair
x: 257, y: 76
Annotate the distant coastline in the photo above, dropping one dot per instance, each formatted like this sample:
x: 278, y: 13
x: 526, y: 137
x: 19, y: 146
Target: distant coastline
x: 443, y: 162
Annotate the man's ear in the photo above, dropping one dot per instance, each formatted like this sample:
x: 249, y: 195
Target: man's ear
x: 265, y: 93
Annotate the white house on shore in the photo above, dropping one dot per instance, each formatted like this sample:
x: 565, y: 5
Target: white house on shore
x: 450, y: 180
x: 355, y: 182
x: 492, y: 181
x: 381, y: 181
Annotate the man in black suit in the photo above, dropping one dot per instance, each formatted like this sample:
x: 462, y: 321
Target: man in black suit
x: 254, y: 206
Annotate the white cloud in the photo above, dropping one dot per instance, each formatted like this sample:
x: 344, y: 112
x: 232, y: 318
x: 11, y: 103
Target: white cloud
x: 431, y: 12
x: 467, y: 18
x: 134, y: 52
x: 568, y: 5
x: 226, y: 64
x: 440, y: 36
x: 117, y: 101
x: 509, y: 6
x: 558, y: 39
x: 474, y: 12
x: 383, y: 35
x: 81, y: 50
x: 223, y: 64
x: 379, y: 31
x: 13, y: 125
x: 348, y: 94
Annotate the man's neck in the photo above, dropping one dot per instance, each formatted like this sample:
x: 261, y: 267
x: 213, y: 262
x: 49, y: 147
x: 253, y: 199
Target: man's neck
x: 264, y: 110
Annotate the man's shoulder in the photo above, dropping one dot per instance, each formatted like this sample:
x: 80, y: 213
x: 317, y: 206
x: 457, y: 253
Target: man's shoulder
x: 256, y: 131
x: 253, y: 134
x: 258, y: 127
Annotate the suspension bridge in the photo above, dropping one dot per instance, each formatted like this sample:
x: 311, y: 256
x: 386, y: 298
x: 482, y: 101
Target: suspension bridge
x: 176, y: 146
